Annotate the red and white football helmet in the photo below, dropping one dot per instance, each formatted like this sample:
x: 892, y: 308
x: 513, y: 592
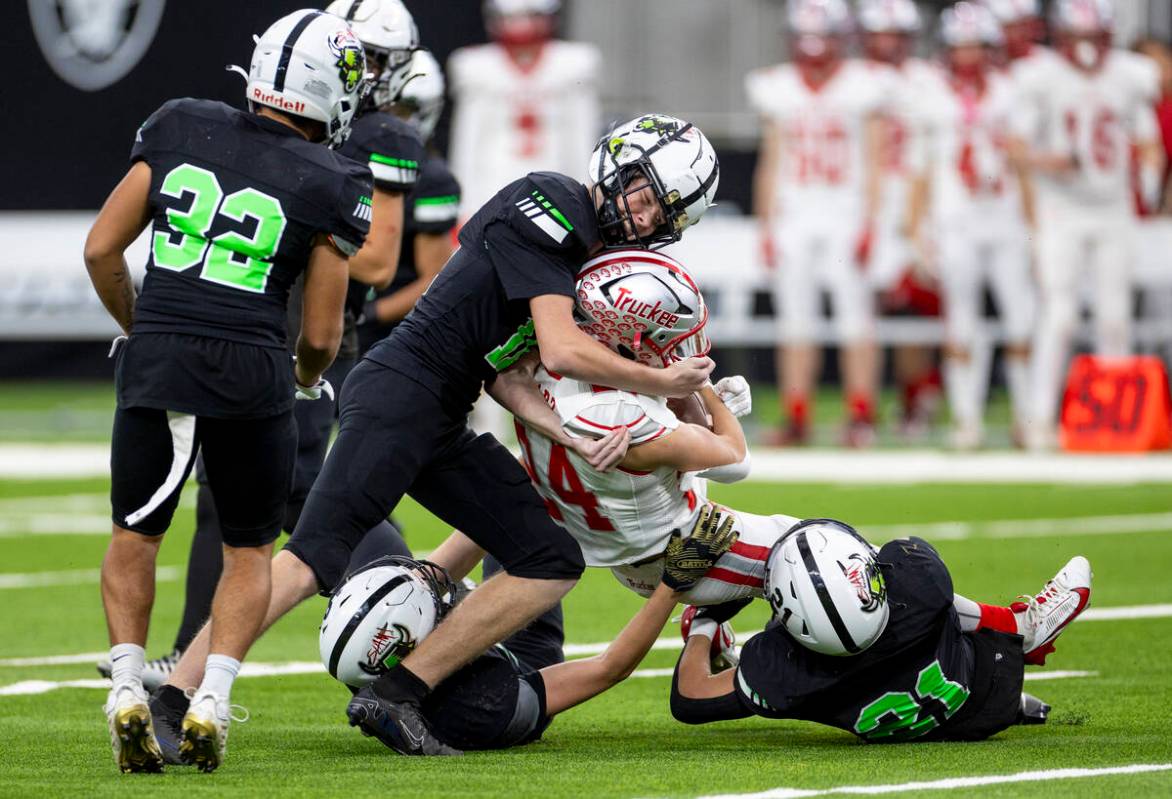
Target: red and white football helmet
x: 818, y: 30
x: 644, y: 306
x: 1083, y: 30
x: 521, y: 23
x: 1021, y: 25
x: 969, y: 23
x: 889, y: 29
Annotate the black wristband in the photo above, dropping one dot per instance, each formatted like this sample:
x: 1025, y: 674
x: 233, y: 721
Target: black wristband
x: 400, y: 685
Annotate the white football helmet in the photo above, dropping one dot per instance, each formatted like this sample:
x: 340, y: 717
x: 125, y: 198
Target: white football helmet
x: 1082, y: 17
x: 889, y: 16
x: 644, y: 306
x: 1009, y: 11
x: 675, y: 158
x: 969, y: 23
x: 504, y: 8
x: 310, y: 64
x: 423, y: 95
x: 378, y: 614
x: 825, y: 587
x: 389, y: 34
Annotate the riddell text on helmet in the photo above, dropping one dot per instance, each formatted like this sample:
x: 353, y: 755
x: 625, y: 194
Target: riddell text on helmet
x: 273, y: 99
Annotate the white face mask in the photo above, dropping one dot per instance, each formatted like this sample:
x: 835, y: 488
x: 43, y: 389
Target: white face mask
x: 1086, y: 54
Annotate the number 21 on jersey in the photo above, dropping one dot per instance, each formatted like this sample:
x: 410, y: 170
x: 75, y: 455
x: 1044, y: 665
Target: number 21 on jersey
x: 230, y: 259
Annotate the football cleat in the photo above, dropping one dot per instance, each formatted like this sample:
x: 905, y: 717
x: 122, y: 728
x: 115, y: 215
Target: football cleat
x: 398, y: 725
x: 154, y: 674
x: 794, y: 434
x: 167, y: 716
x: 1041, y: 618
x: 859, y: 434
x: 132, y: 736
x: 1032, y: 710
x: 204, y: 730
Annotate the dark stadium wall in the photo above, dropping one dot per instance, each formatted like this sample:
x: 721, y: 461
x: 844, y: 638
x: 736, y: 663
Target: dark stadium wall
x: 68, y: 147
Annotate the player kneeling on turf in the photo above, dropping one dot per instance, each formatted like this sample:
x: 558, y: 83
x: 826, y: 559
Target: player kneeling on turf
x: 876, y: 643
x: 502, y: 698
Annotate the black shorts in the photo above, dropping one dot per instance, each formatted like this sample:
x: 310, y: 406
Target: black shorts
x: 395, y: 438
x: 249, y: 465
x: 998, y: 676
x: 488, y: 704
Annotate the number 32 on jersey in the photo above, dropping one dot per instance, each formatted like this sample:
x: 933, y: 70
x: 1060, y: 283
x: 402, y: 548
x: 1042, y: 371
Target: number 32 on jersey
x: 230, y: 258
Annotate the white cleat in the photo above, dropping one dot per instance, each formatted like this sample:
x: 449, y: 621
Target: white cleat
x: 1041, y: 618
x: 128, y: 717
x: 204, y: 731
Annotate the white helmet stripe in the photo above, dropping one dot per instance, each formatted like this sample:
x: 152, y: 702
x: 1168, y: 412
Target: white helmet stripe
x: 287, y: 49
x: 824, y: 597
x: 356, y: 619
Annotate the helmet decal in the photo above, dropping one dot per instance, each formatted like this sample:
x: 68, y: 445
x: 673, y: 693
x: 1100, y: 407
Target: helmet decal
x: 864, y: 575
x: 390, y: 644
x: 351, y: 61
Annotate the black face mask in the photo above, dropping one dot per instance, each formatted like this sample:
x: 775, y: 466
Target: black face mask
x: 615, y: 209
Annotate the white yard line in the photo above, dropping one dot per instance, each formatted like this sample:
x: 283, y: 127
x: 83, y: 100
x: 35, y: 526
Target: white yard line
x: 951, y: 783
x: 73, y: 577
x: 774, y: 465
x: 1025, y: 528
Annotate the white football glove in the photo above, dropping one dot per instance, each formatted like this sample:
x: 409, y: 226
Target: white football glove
x: 734, y: 393
x: 315, y: 391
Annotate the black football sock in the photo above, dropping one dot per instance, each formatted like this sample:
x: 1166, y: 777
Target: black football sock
x: 400, y: 685
x: 203, y: 568
x: 173, y: 698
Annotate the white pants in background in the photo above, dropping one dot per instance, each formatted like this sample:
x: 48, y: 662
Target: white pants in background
x: 818, y: 257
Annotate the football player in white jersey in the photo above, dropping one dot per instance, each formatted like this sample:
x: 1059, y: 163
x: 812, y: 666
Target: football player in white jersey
x: 972, y: 192
x: 816, y: 191
x: 889, y: 32
x: 645, y: 306
x: 1085, y: 113
x: 525, y: 102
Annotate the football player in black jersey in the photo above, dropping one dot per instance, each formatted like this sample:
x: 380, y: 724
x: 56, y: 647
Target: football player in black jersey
x: 876, y: 643
x: 392, y: 150
x: 508, y: 289
x: 241, y: 204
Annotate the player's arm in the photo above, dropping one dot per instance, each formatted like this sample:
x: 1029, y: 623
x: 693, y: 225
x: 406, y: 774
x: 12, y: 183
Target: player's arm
x: 376, y: 262
x: 567, y: 350
x: 573, y: 682
x: 123, y: 217
x: 692, y: 448
x: 517, y: 392
x: 1019, y: 165
x: 458, y: 554
x: 697, y: 695
x: 432, y: 251
x: 1149, y: 156
x: 765, y: 173
x: 326, y: 275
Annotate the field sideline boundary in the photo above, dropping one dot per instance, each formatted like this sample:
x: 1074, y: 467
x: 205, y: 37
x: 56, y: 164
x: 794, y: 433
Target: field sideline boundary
x: 59, y: 461
x: 951, y: 783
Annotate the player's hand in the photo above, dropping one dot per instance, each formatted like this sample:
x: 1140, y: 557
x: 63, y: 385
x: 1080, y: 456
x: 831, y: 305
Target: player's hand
x: 116, y: 345
x: 603, y: 454
x: 687, y: 376
x: 314, y: 392
x: 734, y: 393
x: 689, y: 559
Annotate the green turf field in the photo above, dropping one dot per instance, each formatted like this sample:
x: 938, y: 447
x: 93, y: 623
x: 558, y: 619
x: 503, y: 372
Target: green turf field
x: 624, y: 743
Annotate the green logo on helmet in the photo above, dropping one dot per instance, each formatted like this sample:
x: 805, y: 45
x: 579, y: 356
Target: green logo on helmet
x: 351, y: 61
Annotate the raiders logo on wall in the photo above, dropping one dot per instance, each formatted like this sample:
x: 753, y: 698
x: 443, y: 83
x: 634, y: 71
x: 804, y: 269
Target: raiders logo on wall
x: 92, y: 44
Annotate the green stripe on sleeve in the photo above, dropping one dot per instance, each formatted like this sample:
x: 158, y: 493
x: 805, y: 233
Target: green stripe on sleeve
x: 399, y: 162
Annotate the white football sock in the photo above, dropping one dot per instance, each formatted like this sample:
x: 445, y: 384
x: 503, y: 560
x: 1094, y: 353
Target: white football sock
x: 958, y: 380
x: 126, y: 663
x: 219, y: 674
x: 1017, y: 376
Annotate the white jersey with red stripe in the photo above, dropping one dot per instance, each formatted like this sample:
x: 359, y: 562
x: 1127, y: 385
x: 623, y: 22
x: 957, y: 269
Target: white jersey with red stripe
x: 619, y: 516
x: 967, y: 149
x: 508, y: 121
x: 823, y: 135
x: 1095, y: 116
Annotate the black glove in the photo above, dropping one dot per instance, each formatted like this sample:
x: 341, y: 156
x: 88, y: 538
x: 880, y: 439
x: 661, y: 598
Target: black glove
x: 722, y: 612
x: 689, y: 559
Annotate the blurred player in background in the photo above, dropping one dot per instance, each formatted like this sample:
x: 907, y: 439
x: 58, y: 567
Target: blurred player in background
x: 206, y: 365
x: 816, y: 193
x: 972, y: 193
x: 392, y: 151
x: 1083, y: 114
x: 1022, y: 31
x: 525, y: 102
x: 432, y: 208
x: 889, y: 30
